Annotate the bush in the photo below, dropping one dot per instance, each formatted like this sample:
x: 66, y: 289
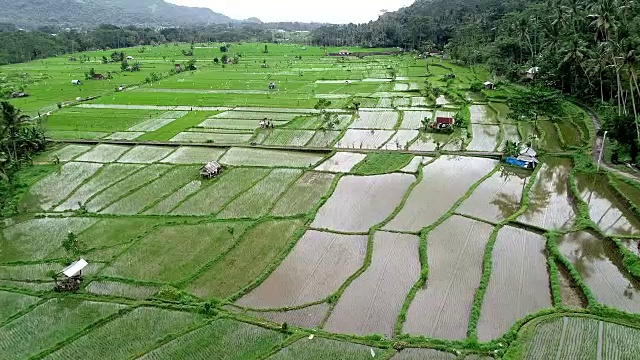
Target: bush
x: 476, y: 87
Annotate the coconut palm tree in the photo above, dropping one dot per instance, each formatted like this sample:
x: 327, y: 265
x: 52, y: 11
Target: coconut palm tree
x: 11, y: 121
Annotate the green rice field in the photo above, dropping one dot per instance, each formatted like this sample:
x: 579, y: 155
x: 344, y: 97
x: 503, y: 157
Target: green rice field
x: 329, y: 233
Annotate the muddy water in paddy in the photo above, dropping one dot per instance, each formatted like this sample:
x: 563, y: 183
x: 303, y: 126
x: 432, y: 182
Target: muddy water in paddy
x: 600, y: 266
x: 549, y: 204
x: 605, y: 207
x: 482, y: 114
x: 498, y: 197
x: 372, y: 303
x: 519, y: 283
x: 455, y: 250
x: 359, y: 202
x: 510, y: 132
x: 315, y: 269
x: 423, y: 354
x: 485, y: 137
x: 444, y: 182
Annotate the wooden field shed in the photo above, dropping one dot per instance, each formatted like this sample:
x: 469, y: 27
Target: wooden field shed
x: 211, y: 169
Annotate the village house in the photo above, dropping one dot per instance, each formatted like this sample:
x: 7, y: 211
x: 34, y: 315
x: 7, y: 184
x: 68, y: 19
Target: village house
x: 443, y: 123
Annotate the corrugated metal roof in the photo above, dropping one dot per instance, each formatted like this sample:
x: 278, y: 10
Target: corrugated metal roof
x: 75, y: 268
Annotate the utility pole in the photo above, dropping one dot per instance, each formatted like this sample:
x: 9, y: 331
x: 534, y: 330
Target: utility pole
x: 604, y: 139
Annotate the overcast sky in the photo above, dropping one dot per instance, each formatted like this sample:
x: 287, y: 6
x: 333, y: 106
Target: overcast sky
x: 331, y: 11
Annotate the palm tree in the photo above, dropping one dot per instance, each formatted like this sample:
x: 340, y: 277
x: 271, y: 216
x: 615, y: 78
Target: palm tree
x: 12, y: 120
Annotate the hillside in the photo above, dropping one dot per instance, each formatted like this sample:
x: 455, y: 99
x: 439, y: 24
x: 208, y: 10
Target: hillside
x: 72, y: 13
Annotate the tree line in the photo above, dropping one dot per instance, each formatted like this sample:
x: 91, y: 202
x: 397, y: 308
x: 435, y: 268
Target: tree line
x: 17, y: 46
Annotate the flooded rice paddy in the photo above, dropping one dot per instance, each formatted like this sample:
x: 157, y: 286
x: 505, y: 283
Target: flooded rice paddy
x: 498, y: 197
x: 444, y: 181
x: 314, y: 269
x: 455, y: 250
x: 519, y: 283
x: 550, y: 205
x: 605, y: 207
x: 600, y: 267
x: 360, y: 202
x: 371, y: 304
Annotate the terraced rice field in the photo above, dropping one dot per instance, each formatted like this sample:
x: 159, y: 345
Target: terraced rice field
x: 600, y: 267
x: 49, y: 323
x: 268, y: 158
x: 581, y: 338
x: 309, y: 317
x: 341, y: 162
x: 304, y: 194
x: 519, y: 284
x: 549, y: 206
x: 50, y: 191
x: 485, y: 137
x: 444, y: 182
x: 131, y: 334
x: 395, y: 267
x: 360, y: 202
x: 364, y: 139
x: 365, y: 240
x: 605, y: 208
x: 231, y: 340
x: 385, y: 120
x: 412, y: 120
x: 497, y: 198
x: 314, y: 269
x: 455, y: 253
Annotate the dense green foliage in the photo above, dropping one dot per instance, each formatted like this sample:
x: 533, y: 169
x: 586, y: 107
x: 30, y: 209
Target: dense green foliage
x: 19, y: 140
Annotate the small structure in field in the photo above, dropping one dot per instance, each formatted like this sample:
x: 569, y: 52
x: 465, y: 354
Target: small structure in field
x: 210, y: 170
x: 531, y: 73
x: 129, y: 57
x: 443, y: 123
x: 76, y: 82
x: 489, y: 85
x: 72, y: 276
x: 344, y: 52
x: 18, y: 94
x: 272, y: 86
x: 98, y: 77
x: 527, y: 159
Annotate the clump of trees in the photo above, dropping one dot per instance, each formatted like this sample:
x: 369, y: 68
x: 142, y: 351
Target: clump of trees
x: 20, y: 140
x: 329, y: 120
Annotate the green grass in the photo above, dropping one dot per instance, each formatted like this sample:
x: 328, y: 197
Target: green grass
x: 257, y: 248
x: 382, y: 163
x: 96, y: 120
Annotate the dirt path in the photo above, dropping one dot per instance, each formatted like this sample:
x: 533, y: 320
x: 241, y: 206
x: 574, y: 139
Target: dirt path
x: 598, y: 147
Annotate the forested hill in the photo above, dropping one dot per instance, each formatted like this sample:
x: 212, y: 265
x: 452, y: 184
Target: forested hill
x: 90, y: 13
x: 433, y: 21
